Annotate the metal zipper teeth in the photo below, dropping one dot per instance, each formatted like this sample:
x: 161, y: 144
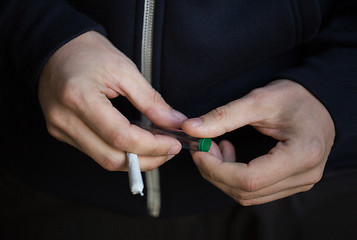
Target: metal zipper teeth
x: 147, y: 39
x: 152, y: 177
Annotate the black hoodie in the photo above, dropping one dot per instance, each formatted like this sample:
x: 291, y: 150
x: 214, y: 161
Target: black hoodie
x: 206, y: 53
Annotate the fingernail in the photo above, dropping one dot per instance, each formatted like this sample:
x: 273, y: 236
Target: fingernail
x: 179, y: 115
x: 195, y: 122
x: 174, y: 150
x: 169, y: 157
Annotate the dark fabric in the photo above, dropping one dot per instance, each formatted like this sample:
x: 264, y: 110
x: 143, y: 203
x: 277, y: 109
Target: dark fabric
x: 31, y: 31
x: 327, y: 212
x: 204, y: 51
x: 330, y: 62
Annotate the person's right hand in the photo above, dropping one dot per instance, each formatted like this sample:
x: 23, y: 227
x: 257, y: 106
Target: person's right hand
x: 74, y: 91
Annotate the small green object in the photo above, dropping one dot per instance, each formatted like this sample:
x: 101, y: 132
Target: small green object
x: 204, y: 144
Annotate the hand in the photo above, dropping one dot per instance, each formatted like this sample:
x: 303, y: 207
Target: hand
x: 74, y: 91
x: 283, y: 110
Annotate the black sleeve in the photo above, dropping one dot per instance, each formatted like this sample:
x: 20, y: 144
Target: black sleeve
x: 329, y: 71
x: 32, y: 30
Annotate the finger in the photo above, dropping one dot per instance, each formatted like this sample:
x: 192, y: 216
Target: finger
x: 285, y: 160
x: 83, y: 138
x: 63, y: 137
x: 109, y: 124
x: 309, y: 178
x: 74, y: 131
x: 247, y: 177
x: 245, y: 199
x: 273, y: 197
x: 223, y: 119
x: 148, y: 101
x: 148, y: 163
x: 215, y: 170
x: 216, y: 151
x: 305, y: 179
x: 228, y: 151
x: 268, y: 194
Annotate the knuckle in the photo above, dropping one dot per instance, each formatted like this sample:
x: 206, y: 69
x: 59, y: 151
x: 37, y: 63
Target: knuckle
x: 251, y: 184
x: 307, y: 188
x: 258, y: 95
x: 119, y: 140
x: 314, y: 155
x: 245, y: 202
x: 120, y: 76
x: 55, y: 122
x: 70, y: 96
x: 156, y: 100
x: 242, y: 195
x: 128, y: 66
x: 204, y: 175
x: 266, y: 102
x: 219, y: 114
x: 156, y: 97
x: 112, y: 163
x: 54, y: 117
x: 212, y: 175
x: 316, y: 177
x: 207, y: 176
x: 53, y: 131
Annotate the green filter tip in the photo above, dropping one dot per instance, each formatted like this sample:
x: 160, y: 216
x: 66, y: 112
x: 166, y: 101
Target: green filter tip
x: 204, y: 144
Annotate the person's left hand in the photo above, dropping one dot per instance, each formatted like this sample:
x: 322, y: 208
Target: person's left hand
x: 283, y: 110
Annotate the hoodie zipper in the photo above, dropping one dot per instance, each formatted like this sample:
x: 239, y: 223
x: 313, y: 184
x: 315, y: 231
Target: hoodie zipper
x: 152, y: 177
x: 147, y: 39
